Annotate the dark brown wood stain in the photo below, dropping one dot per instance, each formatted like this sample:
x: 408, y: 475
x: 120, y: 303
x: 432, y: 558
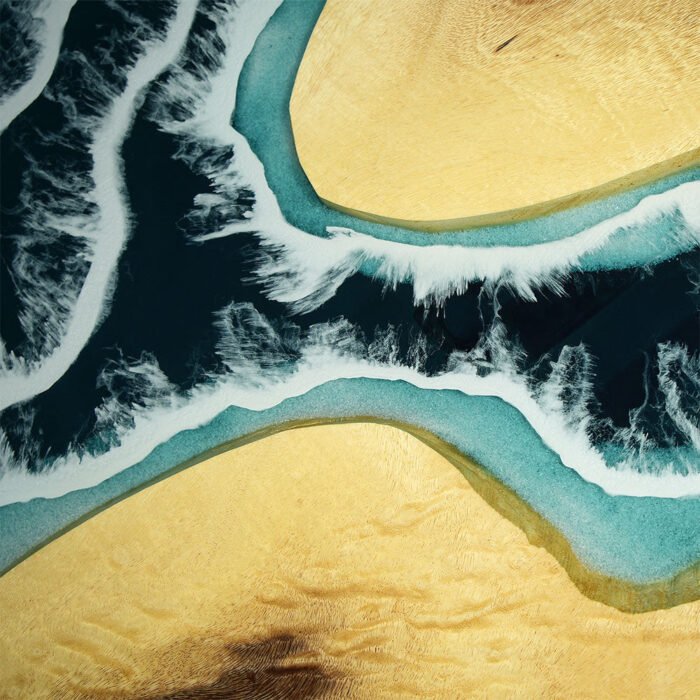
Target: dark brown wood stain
x: 266, y: 670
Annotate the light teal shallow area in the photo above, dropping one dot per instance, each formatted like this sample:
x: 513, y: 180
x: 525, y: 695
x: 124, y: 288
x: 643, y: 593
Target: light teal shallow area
x: 636, y: 539
x: 262, y: 116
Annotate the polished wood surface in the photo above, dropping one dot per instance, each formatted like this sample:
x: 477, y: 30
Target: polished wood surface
x: 328, y: 561
x: 451, y: 113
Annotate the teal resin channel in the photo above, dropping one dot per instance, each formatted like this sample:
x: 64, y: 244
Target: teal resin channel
x: 636, y: 539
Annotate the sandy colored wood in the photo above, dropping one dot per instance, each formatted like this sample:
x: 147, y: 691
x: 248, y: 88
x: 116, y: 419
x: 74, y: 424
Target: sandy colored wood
x: 450, y: 113
x: 334, y: 561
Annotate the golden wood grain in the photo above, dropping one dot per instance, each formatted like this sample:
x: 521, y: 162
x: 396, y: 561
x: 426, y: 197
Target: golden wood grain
x: 329, y: 561
x: 449, y: 113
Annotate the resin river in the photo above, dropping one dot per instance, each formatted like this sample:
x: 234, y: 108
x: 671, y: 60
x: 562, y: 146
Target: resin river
x: 180, y: 286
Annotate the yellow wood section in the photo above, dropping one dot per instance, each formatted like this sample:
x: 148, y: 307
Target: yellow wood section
x: 449, y: 113
x: 332, y: 561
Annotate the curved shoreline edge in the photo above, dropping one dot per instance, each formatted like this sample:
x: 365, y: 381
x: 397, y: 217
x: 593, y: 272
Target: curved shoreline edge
x: 627, y: 183
x: 626, y: 596
x: 262, y: 117
x: 624, y: 163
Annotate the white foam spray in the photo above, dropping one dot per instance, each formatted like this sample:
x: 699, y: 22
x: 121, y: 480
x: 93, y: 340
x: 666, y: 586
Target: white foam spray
x: 101, y: 222
x: 49, y: 17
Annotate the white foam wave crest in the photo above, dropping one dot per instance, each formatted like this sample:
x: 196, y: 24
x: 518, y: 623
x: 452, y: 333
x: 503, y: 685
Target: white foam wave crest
x: 266, y: 365
x: 680, y: 400
x: 304, y: 272
x: 63, y: 312
x: 47, y: 18
x: 195, y: 103
x: 672, y: 414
